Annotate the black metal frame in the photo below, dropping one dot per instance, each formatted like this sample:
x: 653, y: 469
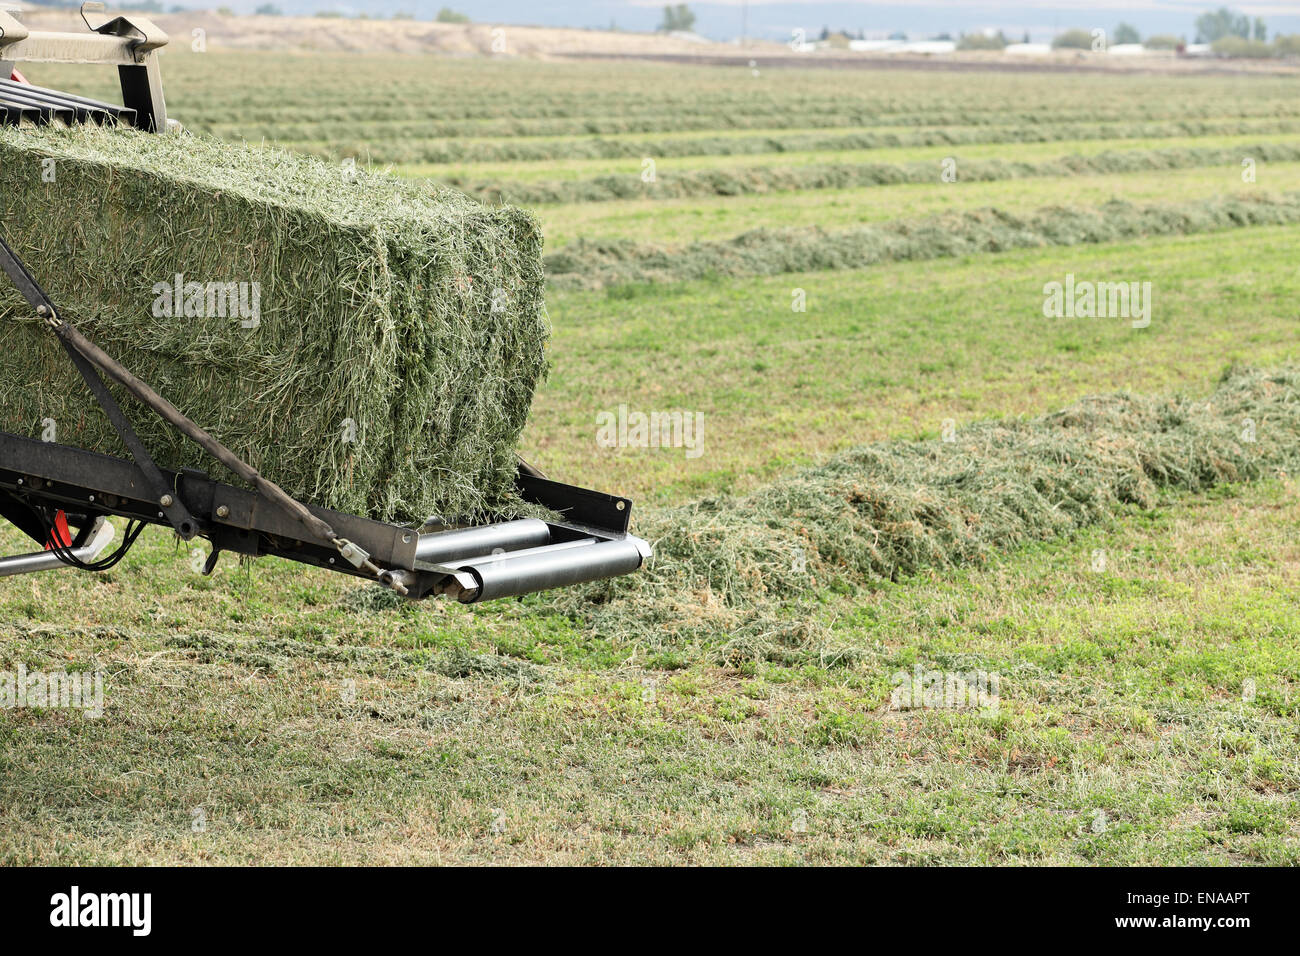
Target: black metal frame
x: 87, y: 485
x: 38, y: 478
x: 21, y: 103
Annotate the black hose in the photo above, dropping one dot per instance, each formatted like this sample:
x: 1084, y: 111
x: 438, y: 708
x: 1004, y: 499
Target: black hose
x: 67, y: 554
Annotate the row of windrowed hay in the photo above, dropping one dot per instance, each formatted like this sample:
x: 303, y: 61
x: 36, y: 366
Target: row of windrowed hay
x: 395, y: 123
x: 729, y: 571
x: 532, y: 93
x: 425, y: 147
x: 629, y: 110
x: 386, y: 369
x: 598, y: 263
x: 756, y: 180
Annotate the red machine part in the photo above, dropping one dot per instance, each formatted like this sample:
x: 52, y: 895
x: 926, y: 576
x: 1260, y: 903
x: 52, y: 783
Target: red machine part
x: 60, y: 533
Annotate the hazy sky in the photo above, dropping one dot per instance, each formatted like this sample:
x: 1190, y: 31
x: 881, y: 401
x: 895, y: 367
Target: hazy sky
x: 722, y: 19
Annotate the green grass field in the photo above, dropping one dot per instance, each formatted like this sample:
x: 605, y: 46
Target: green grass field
x: 1148, y: 703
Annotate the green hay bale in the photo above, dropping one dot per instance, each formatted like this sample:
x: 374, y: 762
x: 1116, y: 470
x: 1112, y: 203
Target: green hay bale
x: 734, y: 574
x: 401, y: 331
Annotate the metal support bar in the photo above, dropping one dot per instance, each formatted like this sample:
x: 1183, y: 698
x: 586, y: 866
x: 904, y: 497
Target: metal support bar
x: 100, y: 538
x: 451, y: 546
x: 11, y: 31
x: 174, y: 509
x: 179, y: 516
x: 142, y: 95
x: 85, y: 481
x: 71, y: 47
x: 74, y: 341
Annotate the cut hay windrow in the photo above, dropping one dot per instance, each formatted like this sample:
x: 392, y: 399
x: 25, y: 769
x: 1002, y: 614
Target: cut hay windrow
x: 618, y: 117
x: 421, y: 146
x: 391, y: 125
x: 370, y: 345
x: 757, y: 180
x: 598, y: 263
x: 725, y: 568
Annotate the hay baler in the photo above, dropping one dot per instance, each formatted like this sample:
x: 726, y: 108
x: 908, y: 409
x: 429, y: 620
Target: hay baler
x: 64, y: 497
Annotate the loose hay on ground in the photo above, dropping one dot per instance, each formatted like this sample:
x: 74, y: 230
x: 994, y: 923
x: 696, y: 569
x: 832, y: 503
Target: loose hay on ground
x: 727, y: 572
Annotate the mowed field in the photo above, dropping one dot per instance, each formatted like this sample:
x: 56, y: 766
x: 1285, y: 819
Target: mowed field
x: 805, y: 263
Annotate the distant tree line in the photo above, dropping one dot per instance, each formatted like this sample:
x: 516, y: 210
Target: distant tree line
x: 1224, y: 23
x: 1228, y: 32
x: 678, y: 18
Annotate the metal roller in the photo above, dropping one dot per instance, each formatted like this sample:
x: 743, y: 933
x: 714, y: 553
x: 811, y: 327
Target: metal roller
x: 512, y: 555
x: 451, y: 547
x: 543, y: 568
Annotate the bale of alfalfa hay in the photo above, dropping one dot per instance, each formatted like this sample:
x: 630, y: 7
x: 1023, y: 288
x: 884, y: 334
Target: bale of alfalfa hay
x: 385, y: 341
